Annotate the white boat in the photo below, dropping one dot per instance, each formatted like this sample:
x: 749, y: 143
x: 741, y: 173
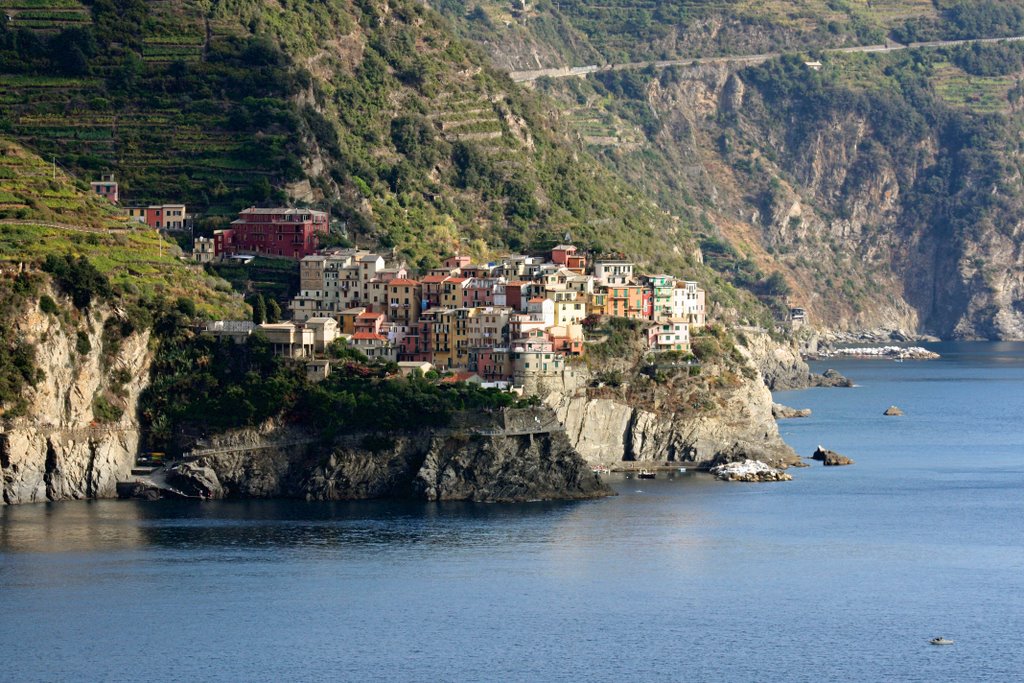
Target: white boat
x: 939, y: 640
x: 600, y: 469
x: 645, y: 474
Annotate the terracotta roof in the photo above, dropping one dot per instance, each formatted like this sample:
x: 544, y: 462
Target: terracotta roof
x: 401, y: 281
x: 369, y: 315
x: 460, y: 377
x: 435, y: 278
x: 537, y: 300
x: 459, y: 280
x: 368, y: 336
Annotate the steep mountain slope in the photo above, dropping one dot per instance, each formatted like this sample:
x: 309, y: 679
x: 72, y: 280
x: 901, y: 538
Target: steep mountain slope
x: 524, y: 35
x: 79, y: 286
x: 884, y: 189
x: 371, y: 108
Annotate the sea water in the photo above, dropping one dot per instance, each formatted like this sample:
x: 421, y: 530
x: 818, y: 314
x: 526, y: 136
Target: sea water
x: 842, y: 574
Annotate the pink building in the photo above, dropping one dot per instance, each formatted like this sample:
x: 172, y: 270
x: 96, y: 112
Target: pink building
x: 106, y: 187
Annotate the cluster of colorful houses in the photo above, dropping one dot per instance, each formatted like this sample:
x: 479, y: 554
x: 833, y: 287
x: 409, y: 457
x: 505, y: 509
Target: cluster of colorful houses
x: 157, y: 216
x: 506, y: 322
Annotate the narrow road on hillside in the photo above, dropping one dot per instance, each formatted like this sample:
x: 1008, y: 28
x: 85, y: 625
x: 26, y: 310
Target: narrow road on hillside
x: 565, y: 72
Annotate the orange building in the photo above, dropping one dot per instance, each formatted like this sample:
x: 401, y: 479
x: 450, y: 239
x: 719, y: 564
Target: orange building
x: 625, y: 301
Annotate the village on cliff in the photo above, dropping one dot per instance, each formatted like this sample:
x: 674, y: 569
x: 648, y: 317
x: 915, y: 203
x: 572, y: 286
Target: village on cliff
x: 504, y: 323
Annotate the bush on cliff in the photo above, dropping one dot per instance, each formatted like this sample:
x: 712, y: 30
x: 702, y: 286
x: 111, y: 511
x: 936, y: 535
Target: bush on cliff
x: 78, y: 278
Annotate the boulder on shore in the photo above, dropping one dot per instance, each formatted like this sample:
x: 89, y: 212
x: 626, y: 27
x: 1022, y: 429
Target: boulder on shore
x: 832, y: 378
x: 830, y: 458
x: 893, y: 411
x: 749, y: 470
x: 781, y: 412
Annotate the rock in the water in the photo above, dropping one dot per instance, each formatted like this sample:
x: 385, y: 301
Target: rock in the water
x: 832, y: 378
x: 893, y: 411
x: 830, y: 458
x: 195, y: 480
x: 749, y: 470
x: 781, y: 412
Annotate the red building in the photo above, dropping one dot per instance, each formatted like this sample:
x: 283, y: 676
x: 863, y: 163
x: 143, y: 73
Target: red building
x: 517, y: 293
x: 292, y: 233
x: 565, y: 255
x: 162, y: 217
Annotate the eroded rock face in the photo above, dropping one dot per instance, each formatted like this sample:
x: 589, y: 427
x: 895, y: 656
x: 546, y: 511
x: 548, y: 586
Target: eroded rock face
x: 609, y: 430
x: 280, y: 461
x: 58, y: 450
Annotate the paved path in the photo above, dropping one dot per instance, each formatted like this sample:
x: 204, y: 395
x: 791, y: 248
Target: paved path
x: 566, y: 72
x: 62, y: 226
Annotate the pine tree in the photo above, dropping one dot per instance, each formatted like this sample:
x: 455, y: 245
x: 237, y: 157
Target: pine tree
x: 259, y: 310
x: 273, y: 311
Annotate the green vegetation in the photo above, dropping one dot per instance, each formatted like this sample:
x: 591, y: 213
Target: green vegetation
x: 203, y: 385
x: 78, y: 278
x: 581, y: 32
x: 88, y: 248
x: 418, y: 144
x: 17, y: 357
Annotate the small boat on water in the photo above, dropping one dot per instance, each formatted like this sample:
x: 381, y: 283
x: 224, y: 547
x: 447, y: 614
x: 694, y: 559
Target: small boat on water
x: 645, y: 474
x: 682, y: 470
x: 600, y: 469
x: 940, y: 641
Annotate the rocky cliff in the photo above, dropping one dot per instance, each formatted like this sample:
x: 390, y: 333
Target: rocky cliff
x: 885, y: 190
x: 699, y: 422
x: 450, y: 464
x: 80, y: 434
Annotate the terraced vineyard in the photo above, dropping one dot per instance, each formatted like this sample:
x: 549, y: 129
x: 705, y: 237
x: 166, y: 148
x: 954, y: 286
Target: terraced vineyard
x: 44, y: 211
x: 45, y: 15
x: 155, y: 109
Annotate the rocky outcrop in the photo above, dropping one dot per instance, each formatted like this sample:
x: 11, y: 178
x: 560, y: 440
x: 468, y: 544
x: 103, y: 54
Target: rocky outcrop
x: 781, y: 365
x: 892, y: 411
x: 60, y: 449
x: 832, y: 378
x: 830, y: 458
x: 749, y: 470
x: 610, y: 430
x: 781, y: 412
x: 451, y: 464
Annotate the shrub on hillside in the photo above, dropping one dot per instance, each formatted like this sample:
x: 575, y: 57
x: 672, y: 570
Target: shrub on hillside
x: 77, y: 278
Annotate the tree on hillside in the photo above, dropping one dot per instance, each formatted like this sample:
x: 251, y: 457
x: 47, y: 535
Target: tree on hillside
x: 273, y: 311
x: 259, y: 309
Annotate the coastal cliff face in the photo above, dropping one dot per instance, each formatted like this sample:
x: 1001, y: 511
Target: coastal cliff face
x: 696, y: 427
x: 61, y: 449
x: 280, y: 461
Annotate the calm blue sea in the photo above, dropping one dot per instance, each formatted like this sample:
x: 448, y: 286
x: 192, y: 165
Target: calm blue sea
x: 840, y: 575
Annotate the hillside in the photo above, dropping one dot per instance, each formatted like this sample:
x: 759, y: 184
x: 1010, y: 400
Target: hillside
x: 523, y: 35
x: 370, y: 108
x: 44, y: 212
x: 884, y: 188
